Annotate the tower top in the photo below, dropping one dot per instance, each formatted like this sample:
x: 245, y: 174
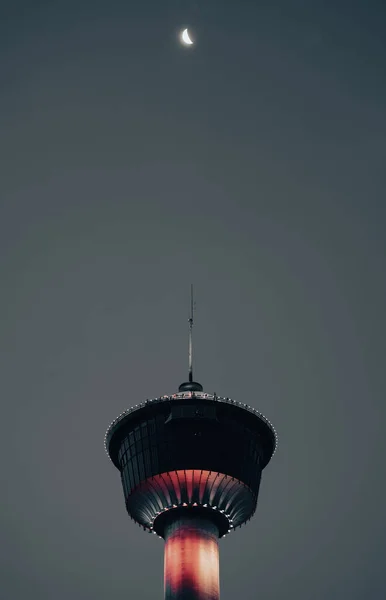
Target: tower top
x: 190, y: 385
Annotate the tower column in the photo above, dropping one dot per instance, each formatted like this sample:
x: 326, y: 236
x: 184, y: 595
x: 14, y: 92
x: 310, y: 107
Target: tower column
x: 191, y: 567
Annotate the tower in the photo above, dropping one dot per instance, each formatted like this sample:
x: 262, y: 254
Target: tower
x: 190, y: 465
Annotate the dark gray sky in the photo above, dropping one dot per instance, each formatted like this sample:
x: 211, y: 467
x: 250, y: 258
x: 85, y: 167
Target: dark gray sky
x: 252, y: 165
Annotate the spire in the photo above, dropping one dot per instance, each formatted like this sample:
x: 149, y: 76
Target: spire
x: 190, y: 335
x: 190, y: 385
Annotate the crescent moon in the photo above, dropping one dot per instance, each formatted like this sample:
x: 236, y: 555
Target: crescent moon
x: 186, y: 38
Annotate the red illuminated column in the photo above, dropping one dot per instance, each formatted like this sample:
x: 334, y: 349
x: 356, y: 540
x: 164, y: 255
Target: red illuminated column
x: 191, y: 569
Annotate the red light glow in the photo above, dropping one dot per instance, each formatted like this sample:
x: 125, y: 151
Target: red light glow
x: 191, y: 567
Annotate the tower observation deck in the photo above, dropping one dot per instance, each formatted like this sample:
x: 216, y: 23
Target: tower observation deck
x: 190, y: 465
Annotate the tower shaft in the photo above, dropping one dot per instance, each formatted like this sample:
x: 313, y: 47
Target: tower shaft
x: 191, y: 567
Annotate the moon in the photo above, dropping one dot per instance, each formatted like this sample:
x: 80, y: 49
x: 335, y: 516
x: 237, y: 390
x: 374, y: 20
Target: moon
x: 185, y: 38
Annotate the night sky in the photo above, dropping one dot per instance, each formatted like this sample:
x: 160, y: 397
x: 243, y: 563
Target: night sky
x: 253, y: 165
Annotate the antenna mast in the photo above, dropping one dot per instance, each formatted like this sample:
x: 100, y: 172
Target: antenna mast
x: 190, y: 335
x: 190, y: 385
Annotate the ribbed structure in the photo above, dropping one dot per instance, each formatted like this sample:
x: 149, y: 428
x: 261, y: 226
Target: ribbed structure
x: 195, y: 488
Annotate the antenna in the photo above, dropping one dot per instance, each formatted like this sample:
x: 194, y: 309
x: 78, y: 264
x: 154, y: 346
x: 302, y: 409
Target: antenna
x: 191, y: 334
x: 191, y: 386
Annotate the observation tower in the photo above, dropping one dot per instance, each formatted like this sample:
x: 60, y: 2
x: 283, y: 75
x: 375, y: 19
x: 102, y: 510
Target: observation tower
x: 191, y: 465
